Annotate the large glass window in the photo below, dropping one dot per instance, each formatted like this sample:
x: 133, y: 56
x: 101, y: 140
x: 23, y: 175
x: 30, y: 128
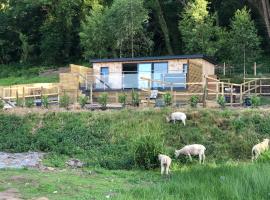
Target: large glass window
x: 159, y: 71
x: 104, y: 72
x: 144, y: 70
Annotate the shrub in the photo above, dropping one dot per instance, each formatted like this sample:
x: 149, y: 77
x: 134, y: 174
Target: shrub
x: 45, y: 101
x: 221, y: 101
x: 167, y: 97
x: 194, y: 100
x: 264, y: 157
x: 255, y: 101
x: 122, y: 98
x: 103, y: 100
x: 29, y: 103
x: 64, y: 101
x: 19, y: 102
x: 1, y: 104
x: 146, y: 150
x: 83, y: 101
x: 135, y: 98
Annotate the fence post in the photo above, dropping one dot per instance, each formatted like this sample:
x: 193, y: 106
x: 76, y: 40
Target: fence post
x: 255, y: 69
x: 231, y: 95
x: 217, y: 90
x: 241, y: 93
x: 249, y: 88
x: 260, y: 86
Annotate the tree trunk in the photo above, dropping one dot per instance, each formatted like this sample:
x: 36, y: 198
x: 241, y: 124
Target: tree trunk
x: 266, y: 15
x: 164, y: 27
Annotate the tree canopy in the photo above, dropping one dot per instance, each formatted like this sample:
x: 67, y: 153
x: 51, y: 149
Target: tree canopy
x: 64, y: 31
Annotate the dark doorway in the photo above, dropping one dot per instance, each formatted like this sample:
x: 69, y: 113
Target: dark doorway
x: 130, y: 75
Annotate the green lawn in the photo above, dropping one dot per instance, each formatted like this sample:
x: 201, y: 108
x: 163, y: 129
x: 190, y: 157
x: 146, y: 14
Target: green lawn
x: 26, y: 80
x: 244, y: 181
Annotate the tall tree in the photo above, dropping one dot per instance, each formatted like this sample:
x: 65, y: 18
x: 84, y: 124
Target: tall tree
x: 198, y: 30
x: 126, y: 19
x: 244, y: 40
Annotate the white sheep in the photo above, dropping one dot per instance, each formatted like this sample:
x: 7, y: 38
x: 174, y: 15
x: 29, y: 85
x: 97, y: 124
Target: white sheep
x: 177, y: 116
x: 259, y: 148
x: 165, y: 162
x: 194, y: 149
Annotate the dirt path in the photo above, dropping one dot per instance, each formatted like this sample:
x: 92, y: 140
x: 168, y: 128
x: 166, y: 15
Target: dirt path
x: 10, y: 194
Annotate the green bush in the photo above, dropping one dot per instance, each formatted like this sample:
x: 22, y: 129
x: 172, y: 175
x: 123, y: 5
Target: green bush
x: 19, y: 102
x: 1, y: 104
x: 167, y: 97
x: 135, y: 98
x: 29, y: 103
x: 221, y: 101
x: 83, y: 101
x: 122, y: 98
x: 103, y: 100
x: 264, y: 157
x: 255, y: 101
x: 194, y: 100
x: 146, y: 150
x: 45, y: 101
x: 64, y: 101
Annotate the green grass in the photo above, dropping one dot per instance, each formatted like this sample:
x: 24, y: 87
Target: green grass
x: 27, y: 80
x: 245, y: 181
x: 130, y: 139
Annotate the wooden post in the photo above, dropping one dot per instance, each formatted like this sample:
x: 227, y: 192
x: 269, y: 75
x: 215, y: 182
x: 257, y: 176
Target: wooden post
x: 222, y: 88
x: 255, y: 69
x: 205, y: 92
x: 241, y: 93
x: 255, y: 87
x: 23, y: 96
x: 41, y: 92
x: 231, y: 95
x: 91, y: 93
x: 224, y: 69
x: 217, y: 90
x: 260, y: 86
x: 249, y: 88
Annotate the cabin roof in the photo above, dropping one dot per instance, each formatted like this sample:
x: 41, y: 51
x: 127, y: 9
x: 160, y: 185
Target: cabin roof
x: 175, y: 57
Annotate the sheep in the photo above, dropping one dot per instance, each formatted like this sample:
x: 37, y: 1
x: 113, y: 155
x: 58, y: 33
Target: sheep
x: 177, y: 116
x: 165, y: 162
x: 194, y: 149
x: 259, y: 148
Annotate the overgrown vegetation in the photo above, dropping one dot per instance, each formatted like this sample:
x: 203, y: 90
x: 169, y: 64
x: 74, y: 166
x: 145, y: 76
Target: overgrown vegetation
x: 255, y: 101
x: 221, y: 101
x: 194, y: 100
x: 1, y: 104
x: 29, y: 103
x: 129, y: 138
x: 83, y: 101
x: 122, y: 98
x: 103, y: 100
x: 45, y: 101
x: 167, y: 97
x: 64, y: 101
x: 135, y: 98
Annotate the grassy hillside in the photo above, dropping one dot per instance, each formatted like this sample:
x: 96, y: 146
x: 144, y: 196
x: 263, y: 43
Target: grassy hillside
x: 132, y: 138
x: 239, y: 182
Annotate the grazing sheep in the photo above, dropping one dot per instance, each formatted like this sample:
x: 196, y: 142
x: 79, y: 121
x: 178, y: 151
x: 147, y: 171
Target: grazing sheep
x: 177, y: 116
x: 165, y: 162
x: 259, y: 148
x: 194, y: 149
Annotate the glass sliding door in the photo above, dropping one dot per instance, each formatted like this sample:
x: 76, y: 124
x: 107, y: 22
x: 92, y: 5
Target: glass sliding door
x: 144, y: 70
x: 159, y: 72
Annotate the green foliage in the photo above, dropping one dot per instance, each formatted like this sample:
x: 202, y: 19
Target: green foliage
x: 194, y: 100
x: 244, y: 38
x: 199, y: 33
x: 255, y: 101
x: 167, y: 97
x: 264, y: 157
x: 45, y: 101
x: 29, y: 102
x: 135, y: 98
x: 221, y: 101
x: 122, y: 98
x: 19, y: 102
x: 1, y: 104
x: 146, y: 149
x: 103, y: 100
x: 83, y: 101
x: 64, y: 101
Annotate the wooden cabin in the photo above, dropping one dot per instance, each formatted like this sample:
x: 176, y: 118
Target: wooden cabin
x: 152, y: 72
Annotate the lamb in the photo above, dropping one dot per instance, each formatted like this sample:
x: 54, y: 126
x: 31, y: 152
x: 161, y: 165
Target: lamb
x: 177, y: 116
x: 259, y: 148
x: 165, y: 162
x: 194, y: 149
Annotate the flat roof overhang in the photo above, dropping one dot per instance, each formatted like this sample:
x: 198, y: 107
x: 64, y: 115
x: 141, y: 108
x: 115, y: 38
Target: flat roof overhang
x: 159, y: 58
